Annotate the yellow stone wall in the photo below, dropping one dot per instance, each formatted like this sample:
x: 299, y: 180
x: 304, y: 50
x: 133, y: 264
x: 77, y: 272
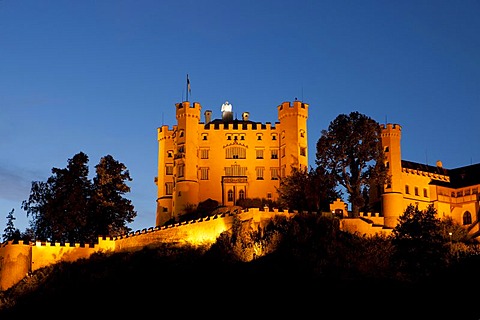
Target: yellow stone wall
x: 18, y: 260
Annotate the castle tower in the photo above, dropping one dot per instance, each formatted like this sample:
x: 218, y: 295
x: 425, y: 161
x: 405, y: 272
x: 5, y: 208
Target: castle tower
x: 392, y: 198
x: 186, y: 143
x: 293, y: 136
x: 164, y: 178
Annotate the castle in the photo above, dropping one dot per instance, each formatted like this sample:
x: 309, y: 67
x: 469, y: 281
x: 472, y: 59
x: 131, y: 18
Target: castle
x: 229, y: 159
x: 226, y: 159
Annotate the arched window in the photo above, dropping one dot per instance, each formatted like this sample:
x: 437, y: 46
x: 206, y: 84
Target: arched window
x: 467, y: 218
x: 241, y: 194
x: 230, y: 195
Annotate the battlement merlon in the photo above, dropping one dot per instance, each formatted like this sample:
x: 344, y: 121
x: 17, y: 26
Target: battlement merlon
x: 189, y: 109
x: 391, y: 126
x: 297, y: 108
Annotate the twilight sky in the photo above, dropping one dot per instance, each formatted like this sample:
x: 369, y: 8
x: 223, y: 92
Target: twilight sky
x: 100, y: 76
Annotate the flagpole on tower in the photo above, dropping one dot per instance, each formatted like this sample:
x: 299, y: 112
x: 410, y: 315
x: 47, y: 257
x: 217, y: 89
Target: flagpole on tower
x: 189, y: 89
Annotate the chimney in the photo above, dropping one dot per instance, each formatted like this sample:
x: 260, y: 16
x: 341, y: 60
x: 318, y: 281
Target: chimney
x: 208, y: 116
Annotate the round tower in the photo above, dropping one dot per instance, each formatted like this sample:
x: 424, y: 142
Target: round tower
x: 392, y: 197
x: 293, y: 136
x: 186, y: 143
x: 163, y: 180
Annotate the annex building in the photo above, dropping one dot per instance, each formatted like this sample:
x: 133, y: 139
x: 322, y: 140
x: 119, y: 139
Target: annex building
x: 453, y: 192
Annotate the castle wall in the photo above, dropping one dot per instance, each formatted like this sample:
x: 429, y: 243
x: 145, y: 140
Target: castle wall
x: 17, y: 260
x: 15, y: 263
x: 363, y: 228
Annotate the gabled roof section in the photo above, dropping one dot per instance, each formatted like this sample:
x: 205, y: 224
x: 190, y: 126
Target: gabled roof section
x: 465, y: 176
x: 424, y: 167
x: 459, y: 177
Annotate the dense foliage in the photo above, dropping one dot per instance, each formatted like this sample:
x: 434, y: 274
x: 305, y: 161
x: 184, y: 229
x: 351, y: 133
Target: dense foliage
x: 68, y: 207
x: 294, y: 266
x: 10, y: 232
x: 311, y: 191
x: 351, y: 151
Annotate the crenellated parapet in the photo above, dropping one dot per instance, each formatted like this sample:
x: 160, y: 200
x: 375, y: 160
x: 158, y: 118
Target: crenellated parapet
x: 295, y: 109
x: 19, y: 259
x: 431, y: 175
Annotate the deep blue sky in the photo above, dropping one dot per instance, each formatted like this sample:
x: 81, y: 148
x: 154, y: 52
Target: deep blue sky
x: 101, y: 76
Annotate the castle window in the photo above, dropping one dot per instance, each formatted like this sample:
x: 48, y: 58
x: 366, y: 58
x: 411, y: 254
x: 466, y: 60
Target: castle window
x: 235, y: 170
x: 170, y: 153
x: 407, y: 190
x: 459, y: 193
x: 259, y: 137
x: 182, y: 133
x: 283, y: 171
x: 467, y: 218
x: 387, y: 164
x: 235, y: 152
x: 181, y: 170
x: 169, y: 170
x: 386, y: 149
x: 474, y: 190
x: 259, y: 153
x: 274, y: 137
x: 203, y: 173
x: 269, y: 195
x: 467, y: 192
x: 230, y: 195
x: 274, y: 154
x: 229, y: 137
x: 204, y: 153
x: 425, y: 194
x: 241, y: 194
x: 204, y: 137
x: 302, y: 133
x: 259, y: 171
x: 303, y: 151
x: 169, y: 188
x: 274, y: 173
x: 235, y: 138
x: 416, y: 191
x: 452, y: 194
x: 242, y: 137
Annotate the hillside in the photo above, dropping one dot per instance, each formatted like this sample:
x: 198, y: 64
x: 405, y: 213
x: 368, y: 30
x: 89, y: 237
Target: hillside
x: 300, y: 280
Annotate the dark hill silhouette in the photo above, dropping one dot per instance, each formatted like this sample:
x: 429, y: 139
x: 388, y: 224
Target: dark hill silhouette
x: 317, y: 276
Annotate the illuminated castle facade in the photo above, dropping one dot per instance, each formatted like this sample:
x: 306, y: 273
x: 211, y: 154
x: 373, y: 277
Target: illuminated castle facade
x: 226, y: 159
x: 453, y: 192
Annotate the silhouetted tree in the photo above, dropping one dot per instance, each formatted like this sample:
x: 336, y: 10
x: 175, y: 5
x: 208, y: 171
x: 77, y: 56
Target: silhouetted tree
x: 69, y: 208
x: 111, y: 211
x: 10, y: 232
x: 58, y: 207
x: 419, y: 242
x: 304, y: 190
x: 352, y: 152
